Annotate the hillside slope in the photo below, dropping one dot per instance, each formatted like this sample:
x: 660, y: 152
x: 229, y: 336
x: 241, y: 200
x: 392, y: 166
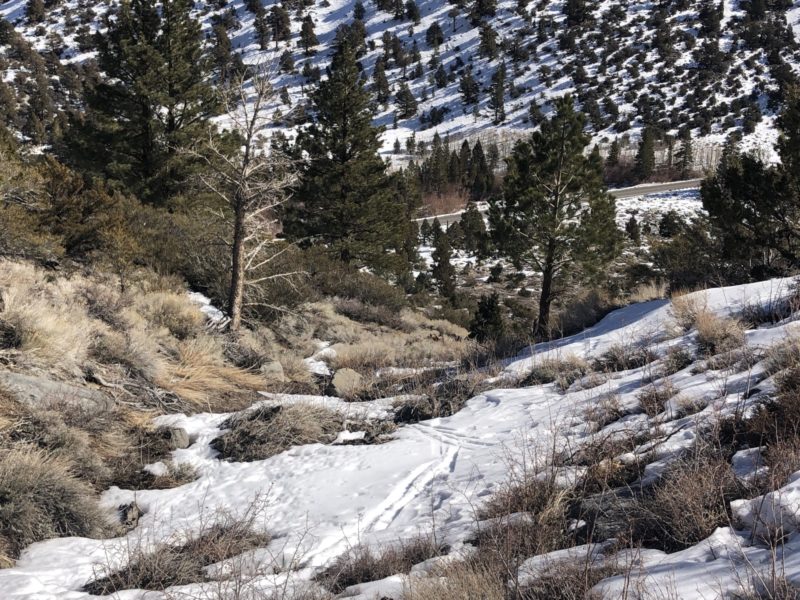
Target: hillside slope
x: 710, y: 68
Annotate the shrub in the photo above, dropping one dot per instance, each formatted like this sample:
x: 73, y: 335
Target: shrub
x: 689, y: 502
x: 677, y: 359
x: 653, y: 398
x: 458, y: 581
x: 269, y: 430
x: 361, y: 564
x: 181, y: 561
x: 622, y: 357
x: 41, y: 499
x: 563, y: 371
x: 716, y: 335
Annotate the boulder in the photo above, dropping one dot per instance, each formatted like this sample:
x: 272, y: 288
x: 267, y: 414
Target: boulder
x: 177, y: 438
x: 347, y: 382
x: 32, y: 390
x: 273, y: 372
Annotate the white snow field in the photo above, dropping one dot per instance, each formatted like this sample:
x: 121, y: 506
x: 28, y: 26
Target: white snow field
x: 318, y: 500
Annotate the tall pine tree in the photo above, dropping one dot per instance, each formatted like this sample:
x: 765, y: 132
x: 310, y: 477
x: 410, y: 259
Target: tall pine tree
x: 347, y: 200
x: 154, y: 100
x: 554, y: 214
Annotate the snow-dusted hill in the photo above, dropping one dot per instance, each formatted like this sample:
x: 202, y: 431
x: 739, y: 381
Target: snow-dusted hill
x: 711, y: 67
x: 320, y: 500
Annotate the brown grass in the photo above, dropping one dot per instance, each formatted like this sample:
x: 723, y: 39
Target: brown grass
x: 180, y: 561
x: 361, y: 564
x: 717, y: 335
x: 40, y: 499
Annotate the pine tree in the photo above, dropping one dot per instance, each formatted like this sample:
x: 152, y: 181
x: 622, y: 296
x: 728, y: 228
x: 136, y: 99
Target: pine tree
x: 380, y: 81
x: 487, y: 323
x: 482, y: 9
x: 34, y: 11
x: 488, y: 43
x: 406, y: 103
x: 469, y: 88
x: 280, y: 24
x: 576, y: 12
x: 474, y: 230
x: 634, y: 231
x: 440, y: 77
x: 685, y: 154
x: 308, y: 39
x: 612, y: 160
x: 153, y: 100
x: 554, y: 214
x: 443, y: 271
x: 434, y: 36
x: 346, y: 199
x: 480, y: 176
x: 646, y: 155
x: 221, y: 52
x: 359, y: 12
x: 497, y: 98
x: 412, y: 12
x: 286, y: 61
x: 263, y: 30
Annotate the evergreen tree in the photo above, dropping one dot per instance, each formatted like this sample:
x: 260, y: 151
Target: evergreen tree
x: 359, y: 12
x: 440, y: 77
x: 469, y: 88
x: 380, y: 81
x: 488, y: 43
x: 646, y: 155
x: 497, y: 98
x: 280, y: 24
x: 154, y: 100
x: 487, y: 323
x: 612, y: 160
x: 308, y: 38
x: 434, y: 36
x: 554, y: 214
x: 443, y: 271
x: 412, y: 12
x: 406, y: 103
x: 34, y: 11
x: 346, y: 199
x: 634, y: 231
x: 286, y: 61
x: 481, y: 177
x: 576, y: 12
x: 482, y: 9
x: 263, y: 30
x: 221, y: 52
x: 474, y: 228
x: 685, y: 154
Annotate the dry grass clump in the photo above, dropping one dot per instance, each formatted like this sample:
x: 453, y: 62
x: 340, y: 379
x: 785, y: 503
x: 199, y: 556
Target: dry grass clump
x: 654, y: 397
x: 685, y: 309
x: 180, y: 561
x: 564, y: 372
x: 361, y: 564
x: 463, y: 580
x: 172, y: 311
x: 689, y: 502
x: 568, y: 579
x: 716, y: 335
x: 622, y: 357
x: 431, y: 400
x: 269, y: 430
x: 40, y: 499
x: 783, y: 355
x: 767, y: 586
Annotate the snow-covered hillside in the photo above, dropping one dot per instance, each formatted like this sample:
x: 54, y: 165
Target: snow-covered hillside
x: 629, y: 63
x: 320, y: 500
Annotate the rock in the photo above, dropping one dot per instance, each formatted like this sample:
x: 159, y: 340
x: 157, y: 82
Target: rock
x: 32, y: 390
x: 346, y: 382
x: 273, y: 372
x: 177, y: 438
x: 129, y: 515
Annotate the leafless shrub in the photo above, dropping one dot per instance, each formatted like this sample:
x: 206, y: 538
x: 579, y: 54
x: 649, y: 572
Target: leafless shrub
x: 265, y: 431
x: 622, y: 357
x: 181, y: 560
x: 361, y: 563
x: 677, y: 359
x: 653, y: 397
x: 564, y: 372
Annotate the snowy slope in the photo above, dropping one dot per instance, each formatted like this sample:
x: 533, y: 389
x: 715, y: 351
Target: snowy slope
x: 320, y: 500
x: 613, y: 64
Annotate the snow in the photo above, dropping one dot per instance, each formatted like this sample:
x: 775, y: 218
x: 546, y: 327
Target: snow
x: 320, y: 500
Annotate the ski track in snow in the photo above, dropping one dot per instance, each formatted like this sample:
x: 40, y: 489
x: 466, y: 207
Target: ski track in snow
x: 321, y: 500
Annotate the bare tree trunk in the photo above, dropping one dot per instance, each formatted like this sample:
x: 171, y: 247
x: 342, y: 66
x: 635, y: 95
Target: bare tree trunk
x: 236, y: 292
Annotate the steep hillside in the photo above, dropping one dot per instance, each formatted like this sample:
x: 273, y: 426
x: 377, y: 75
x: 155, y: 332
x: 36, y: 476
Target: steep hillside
x: 466, y: 69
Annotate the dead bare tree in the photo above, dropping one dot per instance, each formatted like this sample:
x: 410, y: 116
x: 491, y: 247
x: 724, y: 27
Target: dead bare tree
x: 253, y: 181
